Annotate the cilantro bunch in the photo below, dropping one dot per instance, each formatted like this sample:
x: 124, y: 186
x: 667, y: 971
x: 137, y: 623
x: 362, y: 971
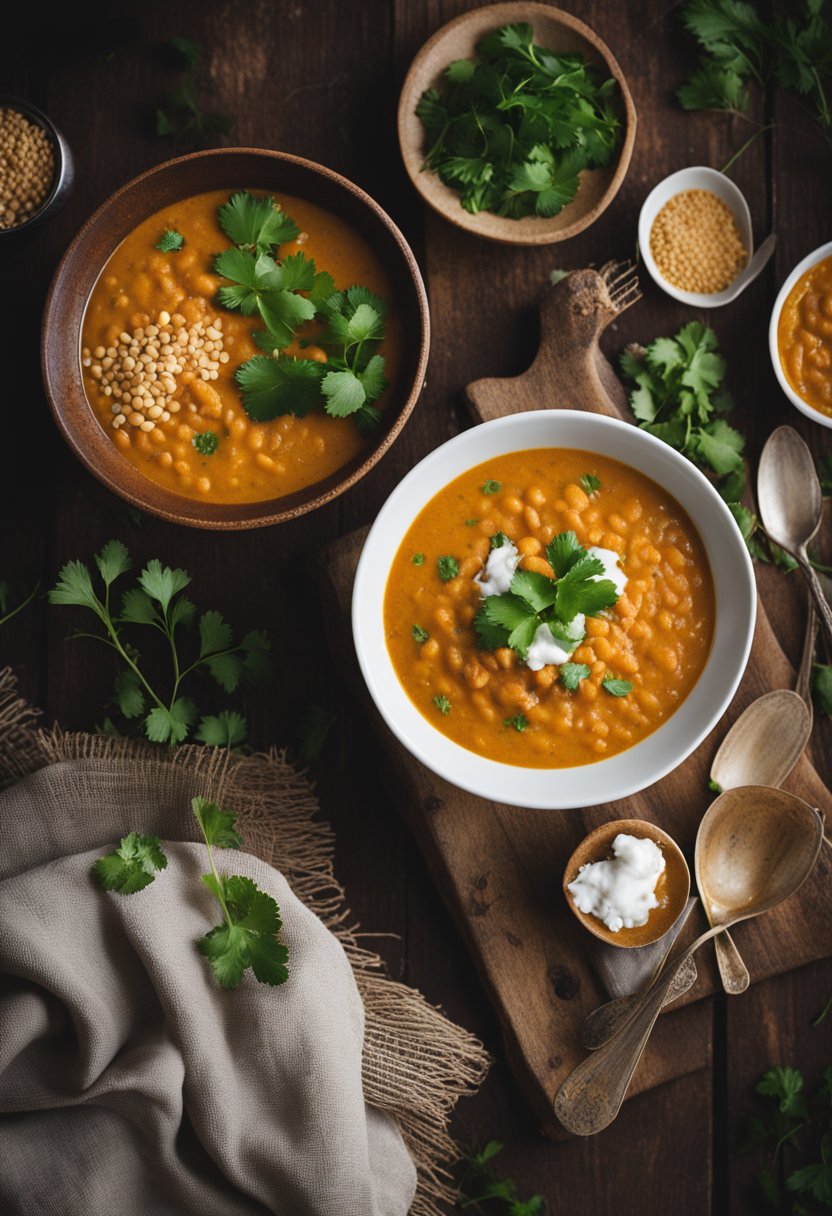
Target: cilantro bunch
x: 512, y: 130
x: 286, y: 294
x: 512, y: 619
x: 156, y: 605
x: 248, y: 935
x: 739, y: 47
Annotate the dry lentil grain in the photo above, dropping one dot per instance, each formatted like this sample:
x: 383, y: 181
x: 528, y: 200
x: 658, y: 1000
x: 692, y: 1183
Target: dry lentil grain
x: 696, y: 243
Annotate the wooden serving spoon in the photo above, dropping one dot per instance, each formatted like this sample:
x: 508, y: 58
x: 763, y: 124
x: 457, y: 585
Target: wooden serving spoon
x: 758, y: 846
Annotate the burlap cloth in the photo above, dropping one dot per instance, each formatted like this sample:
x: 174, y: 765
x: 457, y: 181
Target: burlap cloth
x: 129, y: 1082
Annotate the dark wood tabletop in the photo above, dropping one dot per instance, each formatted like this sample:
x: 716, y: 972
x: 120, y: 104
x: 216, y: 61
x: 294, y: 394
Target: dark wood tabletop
x: 322, y: 80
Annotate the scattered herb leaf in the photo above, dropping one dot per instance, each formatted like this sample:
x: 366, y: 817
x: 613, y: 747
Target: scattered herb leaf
x: 420, y: 635
x: 418, y: 559
x: 499, y: 539
x: 479, y: 1184
x: 206, y: 442
x: 571, y: 675
x: 132, y: 866
x: 519, y: 722
x: 491, y: 487
x: 442, y: 704
x: 590, y: 483
x: 448, y: 568
x: 822, y: 687
x: 170, y: 241
x: 616, y: 688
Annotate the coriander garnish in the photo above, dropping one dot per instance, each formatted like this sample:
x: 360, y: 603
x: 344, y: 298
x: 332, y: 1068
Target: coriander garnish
x: 519, y: 722
x: 499, y: 539
x: 170, y: 241
x: 448, y: 568
x: 419, y: 634
x: 206, y: 442
x: 442, y: 704
x: 469, y: 523
x: 589, y: 483
x: 491, y: 487
x: 418, y: 559
x: 616, y: 688
x: 571, y: 674
x: 132, y: 866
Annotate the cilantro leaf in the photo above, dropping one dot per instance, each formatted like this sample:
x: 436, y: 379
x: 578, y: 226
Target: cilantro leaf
x: 171, y: 725
x: 498, y: 539
x: 447, y: 567
x: 162, y: 583
x: 491, y: 487
x: 442, y: 704
x: 206, y: 442
x: 822, y: 687
x: 519, y: 722
x: 616, y: 688
x: 563, y: 552
x: 419, y: 634
x: 589, y: 484
x: 74, y: 586
x: 218, y: 825
x: 786, y: 1086
x: 225, y: 729
x: 537, y: 590
x: 129, y: 693
x: 255, y: 222
x: 581, y: 589
x: 273, y: 387
x: 491, y: 635
x: 113, y: 561
x: 344, y: 393
x: 132, y: 866
x: 571, y: 675
x: 418, y: 559
x: 170, y: 241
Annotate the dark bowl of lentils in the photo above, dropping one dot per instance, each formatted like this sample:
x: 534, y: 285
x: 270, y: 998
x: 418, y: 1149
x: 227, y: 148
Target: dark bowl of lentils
x: 36, y: 168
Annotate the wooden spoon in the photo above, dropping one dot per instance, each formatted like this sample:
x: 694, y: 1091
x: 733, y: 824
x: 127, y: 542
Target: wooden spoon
x: 758, y: 845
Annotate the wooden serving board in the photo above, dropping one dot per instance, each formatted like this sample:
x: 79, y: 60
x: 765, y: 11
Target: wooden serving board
x: 499, y: 868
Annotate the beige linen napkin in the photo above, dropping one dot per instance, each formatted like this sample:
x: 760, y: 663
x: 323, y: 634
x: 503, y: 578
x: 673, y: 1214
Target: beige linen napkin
x: 129, y: 1081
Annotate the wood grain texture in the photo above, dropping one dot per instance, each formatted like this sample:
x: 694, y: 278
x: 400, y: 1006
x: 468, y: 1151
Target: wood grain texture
x: 322, y: 80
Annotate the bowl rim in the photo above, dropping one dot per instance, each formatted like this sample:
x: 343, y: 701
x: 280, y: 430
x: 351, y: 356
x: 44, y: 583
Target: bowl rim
x: 167, y: 509
x: 509, y: 234
x: 606, y: 780
x: 59, y: 147
x: 811, y: 259
x: 649, y: 210
x: 611, y: 829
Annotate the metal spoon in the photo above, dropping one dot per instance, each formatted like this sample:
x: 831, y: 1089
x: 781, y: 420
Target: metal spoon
x: 757, y: 846
x: 751, y: 271
x: 791, y: 506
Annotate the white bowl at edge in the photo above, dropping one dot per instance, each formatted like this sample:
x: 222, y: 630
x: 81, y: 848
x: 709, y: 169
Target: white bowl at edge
x: 696, y: 177
x: 629, y: 771
x: 811, y: 259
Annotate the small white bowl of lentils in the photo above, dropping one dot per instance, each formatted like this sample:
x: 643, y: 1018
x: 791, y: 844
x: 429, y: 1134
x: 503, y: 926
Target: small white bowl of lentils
x: 695, y: 236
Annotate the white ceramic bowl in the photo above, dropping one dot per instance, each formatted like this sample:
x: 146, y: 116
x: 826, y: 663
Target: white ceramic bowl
x: 667, y: 747
x: 697, y: 177
x: 811, y: 259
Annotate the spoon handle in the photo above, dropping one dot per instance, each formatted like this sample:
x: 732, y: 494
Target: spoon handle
x: 591, y: 1096
x: 605, y: 1021
x: 821, y: 602
x: 732, y: 970
x: 803, y: 684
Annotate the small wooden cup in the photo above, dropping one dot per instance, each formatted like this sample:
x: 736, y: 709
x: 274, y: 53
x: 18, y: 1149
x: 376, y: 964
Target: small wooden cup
x: 672, y: 889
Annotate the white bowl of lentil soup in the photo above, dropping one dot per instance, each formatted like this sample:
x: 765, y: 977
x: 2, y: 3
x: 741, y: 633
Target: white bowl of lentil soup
x: 541, y: 621
x: 235, y: 338
x: 695, y: 236
x: 800, y: 336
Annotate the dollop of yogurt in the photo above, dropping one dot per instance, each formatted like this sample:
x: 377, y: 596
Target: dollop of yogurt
x: 546, y: 649
x: 612, y: 570
x: 620, y: 892
x: 499, y: 570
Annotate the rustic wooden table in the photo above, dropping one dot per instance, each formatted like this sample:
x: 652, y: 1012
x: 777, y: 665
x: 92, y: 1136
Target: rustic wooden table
x: 322, y: 80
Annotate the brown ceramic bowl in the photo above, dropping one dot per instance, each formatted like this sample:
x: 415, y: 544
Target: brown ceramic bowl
x: 231, y: 168
x: 673, y: 887
x: 557, y: 31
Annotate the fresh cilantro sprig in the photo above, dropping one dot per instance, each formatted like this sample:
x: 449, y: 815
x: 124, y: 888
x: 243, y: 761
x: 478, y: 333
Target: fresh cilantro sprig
x: 479, y: 1184
x: 792, y: 1129
x: 182, y: 118
x: 513, y: 618
x: 170, y: 241
x: 512, y: 130
x: 248, y: 936
x: 254, y: 223
x: 738, y: 48
x: 157, y: 603
x: 132, y: 866
x: 259, y: 284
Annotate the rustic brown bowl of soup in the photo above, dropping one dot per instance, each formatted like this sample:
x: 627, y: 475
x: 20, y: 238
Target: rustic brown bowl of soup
x: 145, y: 335
x: 629, y: 901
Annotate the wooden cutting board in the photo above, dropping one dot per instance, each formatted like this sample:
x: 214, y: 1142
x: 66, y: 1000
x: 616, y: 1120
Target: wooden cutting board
x: 499, y: 868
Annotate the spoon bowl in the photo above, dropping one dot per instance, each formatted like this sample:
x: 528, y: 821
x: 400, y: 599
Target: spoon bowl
x: 765, y: 742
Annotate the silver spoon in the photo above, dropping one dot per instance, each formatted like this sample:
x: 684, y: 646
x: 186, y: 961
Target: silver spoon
x: 757, y: 845
x: 791, y: 507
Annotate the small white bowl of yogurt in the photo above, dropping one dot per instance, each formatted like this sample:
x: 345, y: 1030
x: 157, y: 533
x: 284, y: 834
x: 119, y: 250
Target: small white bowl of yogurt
x: 627, y: 882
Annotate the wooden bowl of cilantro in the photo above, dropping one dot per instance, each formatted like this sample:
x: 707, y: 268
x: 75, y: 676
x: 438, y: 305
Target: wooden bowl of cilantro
x: 516, y: 124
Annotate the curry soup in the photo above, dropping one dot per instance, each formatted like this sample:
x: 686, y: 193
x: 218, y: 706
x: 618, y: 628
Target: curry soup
x: 638, y: 660
x: 804, y: 337
x: 159, y: 310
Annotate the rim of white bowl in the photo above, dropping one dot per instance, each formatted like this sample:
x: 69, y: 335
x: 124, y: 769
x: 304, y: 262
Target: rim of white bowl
x: 692, y: 178
x: 638, y: 767
x: 811, y: 259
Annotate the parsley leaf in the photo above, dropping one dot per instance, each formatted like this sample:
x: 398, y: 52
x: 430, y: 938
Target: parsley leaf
x: 442, y: 704
x: 206, y: 442
x: 571, y: 675
x: 255, y: 223
x: 170, y: 241
x: 132, y: 866
x: 420, y: 635
x: 616, y: 688
x: 448, y: 568
x: 590, y: 483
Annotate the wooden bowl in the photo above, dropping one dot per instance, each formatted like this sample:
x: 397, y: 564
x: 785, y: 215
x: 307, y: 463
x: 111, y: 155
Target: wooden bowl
x: 597, y: 846
x: 232, y: 169
x: 458, y: 39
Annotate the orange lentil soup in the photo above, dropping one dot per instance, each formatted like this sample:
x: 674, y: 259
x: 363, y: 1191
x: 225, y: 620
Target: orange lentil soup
x: 157, y: 309
x: 657, y: 636
x: 804, y: 337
